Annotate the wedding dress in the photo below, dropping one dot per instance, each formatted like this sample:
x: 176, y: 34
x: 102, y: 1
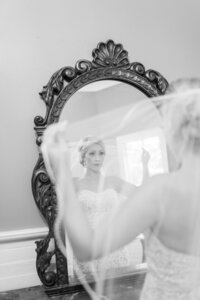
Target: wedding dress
x: 170, y: 274
x: 98, y: 207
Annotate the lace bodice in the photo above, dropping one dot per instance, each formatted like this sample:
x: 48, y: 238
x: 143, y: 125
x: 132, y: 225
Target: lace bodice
x: 98, y: 206
x: 171, y: 275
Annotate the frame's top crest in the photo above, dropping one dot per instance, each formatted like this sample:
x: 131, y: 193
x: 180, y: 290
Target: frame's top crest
x: 110, y: 62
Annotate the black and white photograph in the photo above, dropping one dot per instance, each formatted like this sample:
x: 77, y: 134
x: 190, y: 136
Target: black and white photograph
x: 100, y: 150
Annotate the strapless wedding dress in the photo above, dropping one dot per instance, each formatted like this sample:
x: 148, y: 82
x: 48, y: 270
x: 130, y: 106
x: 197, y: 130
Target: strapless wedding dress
x: 98, y: 207
x: 171, y: 275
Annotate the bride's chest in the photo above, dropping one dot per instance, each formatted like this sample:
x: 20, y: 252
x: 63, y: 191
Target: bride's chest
x: 102, y: 202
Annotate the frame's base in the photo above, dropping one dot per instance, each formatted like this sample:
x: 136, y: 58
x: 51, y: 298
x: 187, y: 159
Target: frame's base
x: 130, y: 279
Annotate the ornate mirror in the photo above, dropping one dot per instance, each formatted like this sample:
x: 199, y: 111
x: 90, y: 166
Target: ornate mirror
x: 91, y: 93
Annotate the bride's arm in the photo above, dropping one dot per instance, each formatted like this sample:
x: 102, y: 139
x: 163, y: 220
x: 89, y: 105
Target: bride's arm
x: 138, y: 213
x: 132, y: 218
x: 123, y: 187
x: 126, y: 188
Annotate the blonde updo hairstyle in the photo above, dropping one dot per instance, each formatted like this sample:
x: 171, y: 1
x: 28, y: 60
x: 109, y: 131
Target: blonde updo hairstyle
x: 181, y: 114
x: 84, y: 145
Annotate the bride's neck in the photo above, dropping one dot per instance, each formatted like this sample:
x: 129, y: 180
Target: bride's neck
x: 92, y: 174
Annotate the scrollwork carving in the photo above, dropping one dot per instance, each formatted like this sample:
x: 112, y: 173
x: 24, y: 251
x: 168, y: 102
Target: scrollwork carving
x: 44, y: 193
x: 138, y: 68
x: 155, y: 77
x: 62, y: 270
x: 83, y: 66
x: 53, y: 88
x: 48, y: 277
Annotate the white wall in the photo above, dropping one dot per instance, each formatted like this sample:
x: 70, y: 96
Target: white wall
x: 38, y: 37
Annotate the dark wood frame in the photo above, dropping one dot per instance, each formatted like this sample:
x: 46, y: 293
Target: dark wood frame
x: 110, y: 62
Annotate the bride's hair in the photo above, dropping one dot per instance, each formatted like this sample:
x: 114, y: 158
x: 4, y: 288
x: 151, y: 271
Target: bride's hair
x: 182, y: 113
x: 84, y: 145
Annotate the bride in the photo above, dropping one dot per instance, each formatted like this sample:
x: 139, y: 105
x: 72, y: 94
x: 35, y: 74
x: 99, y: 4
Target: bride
x: 100, y: 194
x: 166, y: 207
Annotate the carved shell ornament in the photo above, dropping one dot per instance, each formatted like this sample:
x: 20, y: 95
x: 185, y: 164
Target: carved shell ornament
x: 110, y: 54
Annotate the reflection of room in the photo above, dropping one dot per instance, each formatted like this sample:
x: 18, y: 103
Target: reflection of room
x: 118, y: 114
x: 99, y: 97
x: 98, y: 112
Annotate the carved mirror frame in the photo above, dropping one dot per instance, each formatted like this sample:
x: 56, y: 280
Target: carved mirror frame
x: 110, y: 62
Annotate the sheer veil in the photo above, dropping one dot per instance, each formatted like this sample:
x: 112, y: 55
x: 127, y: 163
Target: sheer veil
x: 178, y: 147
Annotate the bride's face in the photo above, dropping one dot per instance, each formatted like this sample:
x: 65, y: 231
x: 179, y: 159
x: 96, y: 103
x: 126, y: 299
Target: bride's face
x: 94, y: 157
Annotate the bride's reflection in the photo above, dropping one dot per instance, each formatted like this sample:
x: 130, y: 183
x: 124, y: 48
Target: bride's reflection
x: 121, y: 162
x: 100, y: 191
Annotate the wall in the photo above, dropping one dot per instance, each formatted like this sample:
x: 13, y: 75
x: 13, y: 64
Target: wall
x: 38, y: 37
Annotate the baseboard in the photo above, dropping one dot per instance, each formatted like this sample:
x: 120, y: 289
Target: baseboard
x: 18, y: 257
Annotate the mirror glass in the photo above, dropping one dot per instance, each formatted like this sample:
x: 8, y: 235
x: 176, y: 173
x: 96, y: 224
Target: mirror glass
x: 114, y: 111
